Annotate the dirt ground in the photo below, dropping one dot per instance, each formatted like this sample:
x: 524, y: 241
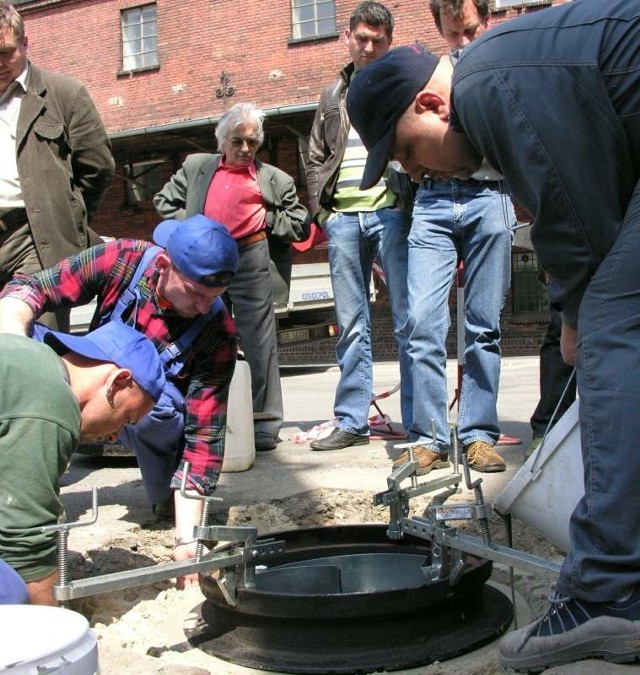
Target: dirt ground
x: 144, y: 630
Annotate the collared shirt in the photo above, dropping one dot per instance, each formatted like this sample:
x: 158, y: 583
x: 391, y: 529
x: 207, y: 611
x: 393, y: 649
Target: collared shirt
x: 10, y: 190
x: 104, y: 272
x: 234, y: 199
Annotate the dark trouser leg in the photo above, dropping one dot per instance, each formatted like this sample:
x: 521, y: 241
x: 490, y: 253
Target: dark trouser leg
x: 251, y: 294
x: 18, y: 254
x: 554, y: 375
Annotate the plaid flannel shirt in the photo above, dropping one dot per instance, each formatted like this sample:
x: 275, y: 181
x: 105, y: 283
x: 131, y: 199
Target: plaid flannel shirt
x: 103, y: 272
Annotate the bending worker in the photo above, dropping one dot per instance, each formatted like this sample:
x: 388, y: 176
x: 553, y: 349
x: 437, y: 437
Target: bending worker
x: 170, y: 293
x: 54, y: 395
x: 552, y: 100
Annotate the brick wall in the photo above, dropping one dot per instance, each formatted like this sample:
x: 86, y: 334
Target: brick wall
x: 198, y: 40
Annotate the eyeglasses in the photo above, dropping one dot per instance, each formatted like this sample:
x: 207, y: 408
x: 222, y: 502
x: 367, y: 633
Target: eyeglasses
x: 237, y: 142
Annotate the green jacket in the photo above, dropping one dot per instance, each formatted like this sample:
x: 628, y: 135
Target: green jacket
x: 185, y: 195
x: 39, y: 431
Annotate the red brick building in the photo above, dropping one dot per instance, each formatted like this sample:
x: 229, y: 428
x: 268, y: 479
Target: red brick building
x: 162, y: 73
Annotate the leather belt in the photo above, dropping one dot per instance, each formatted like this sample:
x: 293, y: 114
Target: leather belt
x: 12, y: 219
x: 243, y: 242
x: 430, y: 183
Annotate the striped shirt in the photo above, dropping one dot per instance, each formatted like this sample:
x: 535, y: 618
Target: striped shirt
x: 348, y: 197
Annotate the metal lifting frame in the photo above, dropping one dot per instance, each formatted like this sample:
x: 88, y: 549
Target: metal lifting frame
x: 447, y: 542
x: 237, y: 561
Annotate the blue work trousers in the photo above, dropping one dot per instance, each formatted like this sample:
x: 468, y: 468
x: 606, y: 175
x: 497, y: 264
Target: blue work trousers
x: 604, y: 561
x: 157, y: 441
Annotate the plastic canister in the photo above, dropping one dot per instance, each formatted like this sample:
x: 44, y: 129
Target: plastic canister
x: 545, y: 490
x: 239, y: 443
x: 38, y: 639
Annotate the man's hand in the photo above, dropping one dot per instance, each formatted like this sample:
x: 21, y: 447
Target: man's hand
x: 185, y: 552
x: 568, y: 339
x: 41, y: 590
x: 15, y: 316
x: 188, y: 514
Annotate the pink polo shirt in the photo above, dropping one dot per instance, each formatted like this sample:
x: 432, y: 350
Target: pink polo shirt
x: 234, y: 199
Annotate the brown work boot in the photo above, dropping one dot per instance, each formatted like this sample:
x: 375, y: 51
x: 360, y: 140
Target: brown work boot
x: 427, y: 459
x: 482, y: 457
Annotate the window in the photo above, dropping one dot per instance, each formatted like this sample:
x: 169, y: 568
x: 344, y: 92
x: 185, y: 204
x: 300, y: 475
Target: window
x: 529, y: 295
x: 303, y: 159
x: 313, y: 18
x: 144, y: 180
x: 503, y: 4
x: 139, y: 38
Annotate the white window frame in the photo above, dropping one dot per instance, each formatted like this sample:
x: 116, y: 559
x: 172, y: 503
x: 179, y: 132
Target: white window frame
x: 139, y: 37
x: 505, y: 4
x: 312, y: 18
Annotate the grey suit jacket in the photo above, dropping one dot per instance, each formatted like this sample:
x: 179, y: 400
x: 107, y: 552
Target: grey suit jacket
x: 185, y: 194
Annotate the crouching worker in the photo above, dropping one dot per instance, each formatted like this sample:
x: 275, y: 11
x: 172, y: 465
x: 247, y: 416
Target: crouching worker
x: 170, y: 293
x: 53, y: 396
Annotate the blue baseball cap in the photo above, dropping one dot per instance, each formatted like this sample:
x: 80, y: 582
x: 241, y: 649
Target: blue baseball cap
x: 378, y: 96
x: 201, y: 248
x: 115, y: 342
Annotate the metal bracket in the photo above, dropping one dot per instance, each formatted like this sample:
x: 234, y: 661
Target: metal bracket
x: 448, y: 544
x: 143, y: 576
x: 237, y: 561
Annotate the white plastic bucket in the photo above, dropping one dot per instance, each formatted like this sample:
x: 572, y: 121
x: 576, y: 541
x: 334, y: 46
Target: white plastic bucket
x: 550, y: 483
x: 36, y: 639
x: 239, y: 443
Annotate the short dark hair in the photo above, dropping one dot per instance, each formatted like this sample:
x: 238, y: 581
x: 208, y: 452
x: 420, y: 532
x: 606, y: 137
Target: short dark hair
x: 455, y: 8
x: 372, y: 14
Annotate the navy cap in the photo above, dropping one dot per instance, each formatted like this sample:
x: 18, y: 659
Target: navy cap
x: 115, y: 342
x: 201, y: 248
x: 378, y: 96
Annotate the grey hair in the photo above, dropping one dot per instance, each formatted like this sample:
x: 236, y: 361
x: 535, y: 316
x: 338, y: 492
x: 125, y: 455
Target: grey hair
x: 240, y: 113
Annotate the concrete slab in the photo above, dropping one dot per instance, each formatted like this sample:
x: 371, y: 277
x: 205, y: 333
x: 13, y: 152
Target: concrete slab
x: 308, y: 401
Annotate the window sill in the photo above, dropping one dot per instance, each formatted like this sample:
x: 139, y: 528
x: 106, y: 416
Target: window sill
x: 313, y: 38
x: 135, y: 71
x: 503, y: 5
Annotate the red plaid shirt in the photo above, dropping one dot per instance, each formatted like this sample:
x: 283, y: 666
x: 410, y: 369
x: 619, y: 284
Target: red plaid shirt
x: 103, y: 272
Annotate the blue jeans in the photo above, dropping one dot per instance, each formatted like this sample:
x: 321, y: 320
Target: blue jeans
x: 469, y: 221
x: 355, y: 241
x: 603, y: 563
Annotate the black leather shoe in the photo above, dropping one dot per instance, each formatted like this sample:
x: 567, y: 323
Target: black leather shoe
x: 164, y: 510
x: 338, y: 439
x: 265, y: 441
